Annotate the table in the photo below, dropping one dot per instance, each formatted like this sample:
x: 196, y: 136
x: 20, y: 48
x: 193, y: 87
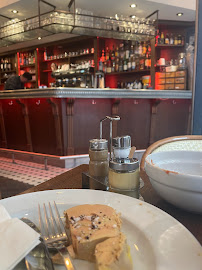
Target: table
x: 72, y: 179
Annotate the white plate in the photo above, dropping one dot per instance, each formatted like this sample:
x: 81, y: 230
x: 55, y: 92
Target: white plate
x: 157, y: 240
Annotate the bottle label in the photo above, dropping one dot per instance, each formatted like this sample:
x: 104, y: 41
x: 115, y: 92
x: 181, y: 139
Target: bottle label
x: 125, y: 67
x: 133, y: 65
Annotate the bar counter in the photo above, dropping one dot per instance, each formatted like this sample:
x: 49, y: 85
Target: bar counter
x: 61, y: 121
x: 62, y: 92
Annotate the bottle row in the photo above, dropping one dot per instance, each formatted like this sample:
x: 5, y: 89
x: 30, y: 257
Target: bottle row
x: 68, y: 54
x: 169, y: 39
x: 26, y: 59
x: 5, y: 65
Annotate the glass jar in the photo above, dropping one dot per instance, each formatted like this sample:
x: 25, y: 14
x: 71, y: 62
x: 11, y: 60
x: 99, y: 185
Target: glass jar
x: 98, y: 154
x: 124, y: 176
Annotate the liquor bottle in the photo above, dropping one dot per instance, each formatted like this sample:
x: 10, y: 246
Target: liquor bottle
x: 105, y: 67
x: 117, y: 64
x: 133, y: 63
x: 117, y: 52
x: 142, y: 63
x: 2, y: 65
x: 125, y: 65
x: 131, y: 50
x: 30, y: 59
x: 5, y: 64
x: 127, y: 51
x: 9, y: 66
x: 136, y: 48
x: 144, y: 49
x: 45, y: 55
x: 140, y: 49
x: 162, y: 38
x: 120, y: 65
x: 158, y: 37
x: 121, y: 51
x: 113, y: 54
x: 179, y: 40
x: 167, y: 40
x: 113, y: 66
x: 107, y: 53
x: 175, y: 40
x: 183, y: 41
x: 171, y: 39
x: 109, y: 66
x: 103, y: 55
x: 130, y: 63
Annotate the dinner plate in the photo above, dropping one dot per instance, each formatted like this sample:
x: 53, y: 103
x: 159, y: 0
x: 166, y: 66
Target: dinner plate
x: 157, y: 240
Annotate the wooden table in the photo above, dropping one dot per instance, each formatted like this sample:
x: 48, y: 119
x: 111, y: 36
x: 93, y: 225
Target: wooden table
x: 73, y: 180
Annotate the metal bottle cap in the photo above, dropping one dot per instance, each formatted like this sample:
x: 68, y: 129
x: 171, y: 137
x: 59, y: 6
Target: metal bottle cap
x: 124, y: 164
x: 121, y: 142
x: 98, y: 144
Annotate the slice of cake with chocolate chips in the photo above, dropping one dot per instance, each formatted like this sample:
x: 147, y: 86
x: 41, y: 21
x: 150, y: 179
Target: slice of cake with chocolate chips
x: 90, y: 225
x: 113, y: 254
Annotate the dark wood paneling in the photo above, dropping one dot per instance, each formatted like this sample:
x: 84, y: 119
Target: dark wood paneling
x: 42, y: 126
x: 87, y: 115
x: 135, y: 121
x: 14, y: 125
x: 172, y: 117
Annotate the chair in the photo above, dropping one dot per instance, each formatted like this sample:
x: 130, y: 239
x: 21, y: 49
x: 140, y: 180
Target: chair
x: 184, y: 142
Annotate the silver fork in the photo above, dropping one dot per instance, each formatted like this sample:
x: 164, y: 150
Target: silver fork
x: 54, y: 234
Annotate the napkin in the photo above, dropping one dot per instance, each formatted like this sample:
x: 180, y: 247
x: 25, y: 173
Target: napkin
x: 17, y: 239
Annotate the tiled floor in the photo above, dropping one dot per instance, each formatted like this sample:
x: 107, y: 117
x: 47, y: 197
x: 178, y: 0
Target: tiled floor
x: 28, y: 172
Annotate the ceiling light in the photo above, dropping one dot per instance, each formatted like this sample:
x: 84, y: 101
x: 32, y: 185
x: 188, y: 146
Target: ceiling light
x: 39, y: 38
x: 133, y: 5
x: 179, y: 14
x: 15, y: 11
x: 132, y: 16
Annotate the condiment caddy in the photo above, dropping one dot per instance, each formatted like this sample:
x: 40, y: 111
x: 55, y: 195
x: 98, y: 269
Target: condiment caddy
x: 117, y: 172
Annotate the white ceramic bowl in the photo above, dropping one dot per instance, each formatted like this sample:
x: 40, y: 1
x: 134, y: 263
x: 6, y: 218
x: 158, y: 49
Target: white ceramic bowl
x: 177, y: 177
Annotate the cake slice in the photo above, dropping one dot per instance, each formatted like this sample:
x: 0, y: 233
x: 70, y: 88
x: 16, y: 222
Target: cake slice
x: 113, y: 254
x: 88, y: 226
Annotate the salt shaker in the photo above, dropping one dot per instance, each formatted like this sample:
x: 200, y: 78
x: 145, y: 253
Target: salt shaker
x: 98, y: 153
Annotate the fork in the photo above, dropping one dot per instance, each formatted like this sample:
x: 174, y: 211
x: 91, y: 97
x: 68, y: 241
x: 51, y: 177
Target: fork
x: 54, y: 234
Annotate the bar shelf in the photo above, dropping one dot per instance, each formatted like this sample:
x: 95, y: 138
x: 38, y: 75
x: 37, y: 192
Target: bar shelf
x: 128, y: 72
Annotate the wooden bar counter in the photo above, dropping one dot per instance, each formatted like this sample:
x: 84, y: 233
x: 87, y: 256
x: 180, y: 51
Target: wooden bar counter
x: 61, y: 121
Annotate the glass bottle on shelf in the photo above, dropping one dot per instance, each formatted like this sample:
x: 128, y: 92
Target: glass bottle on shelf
x: 176, y: 40
x: 125, y: 65
x: 171, y: 39
x: 158, y: 37
x: 120, y: 65
x: 117, y: 64
x: 113, y: 66
x: 121, y: 51
x: 107, y: 53
x: 133, y: 63
x: 113, y: 54
x: 167, y: 39
x: 105, y: 67
x: 117, y: 52
x: 144, y: 49
x: 142, y: 63
x: 179, y: 40
x: 109, y: 67
x: 130, y: 64
x: 136, y: 48
x: 162, y: 38
x: 140, y: 49
x: 127, y: 51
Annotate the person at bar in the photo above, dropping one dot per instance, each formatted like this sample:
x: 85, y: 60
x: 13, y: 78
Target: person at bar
x: 17, y: 82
